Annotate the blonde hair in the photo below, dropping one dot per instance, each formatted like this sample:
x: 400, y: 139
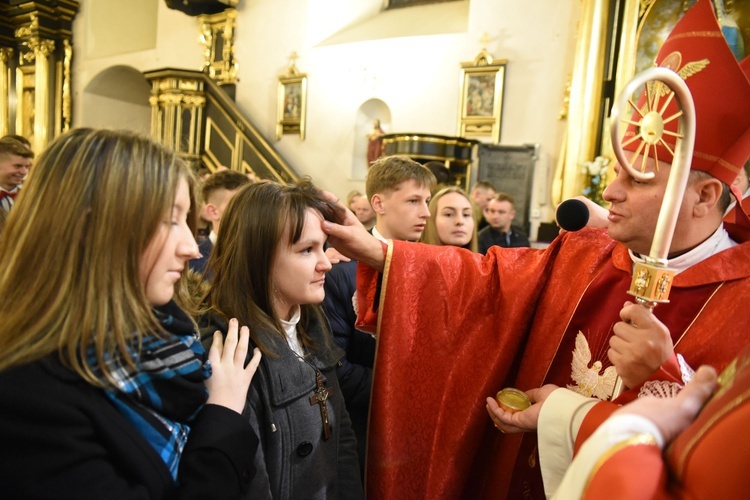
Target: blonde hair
x: 430, y: 234
x: 70, y: 253
x: 388, y: 173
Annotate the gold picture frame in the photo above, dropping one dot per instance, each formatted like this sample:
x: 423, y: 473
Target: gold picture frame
x: 480, y: 108
x: 292, y: 103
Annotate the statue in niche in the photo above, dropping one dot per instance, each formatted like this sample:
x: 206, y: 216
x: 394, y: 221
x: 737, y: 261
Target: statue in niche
x: 374, y: 143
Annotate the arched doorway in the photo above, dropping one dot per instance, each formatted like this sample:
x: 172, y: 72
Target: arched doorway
x: 117, y: 98
x: 368, y: 112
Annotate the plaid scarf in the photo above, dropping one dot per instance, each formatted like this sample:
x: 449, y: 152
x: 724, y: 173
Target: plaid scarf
x: 166, y: 389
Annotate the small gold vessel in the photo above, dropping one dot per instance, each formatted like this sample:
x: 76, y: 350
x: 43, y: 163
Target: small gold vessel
x: 512, y: 400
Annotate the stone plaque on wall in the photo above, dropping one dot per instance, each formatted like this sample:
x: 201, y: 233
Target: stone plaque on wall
x: 511, y: 171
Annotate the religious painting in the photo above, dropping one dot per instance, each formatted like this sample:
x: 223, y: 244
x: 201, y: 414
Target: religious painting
x: 481, y: 98
x: 660, y: 16
x: 655, y: 20
x: 292, y: 103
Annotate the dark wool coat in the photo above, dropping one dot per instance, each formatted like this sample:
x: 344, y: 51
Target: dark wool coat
x: 293, y: 460
x: 61, y: 438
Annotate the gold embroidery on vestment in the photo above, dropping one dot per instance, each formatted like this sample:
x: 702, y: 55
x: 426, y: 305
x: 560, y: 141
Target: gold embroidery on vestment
x: 588, y: 380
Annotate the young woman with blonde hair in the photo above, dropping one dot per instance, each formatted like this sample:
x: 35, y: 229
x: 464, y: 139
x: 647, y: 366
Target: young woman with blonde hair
x: 102, y: 376
x: 451, y: 220
x: 269, y: 268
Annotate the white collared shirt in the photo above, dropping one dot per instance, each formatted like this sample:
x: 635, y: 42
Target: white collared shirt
x: 717, y: 242
x: 290, y: 331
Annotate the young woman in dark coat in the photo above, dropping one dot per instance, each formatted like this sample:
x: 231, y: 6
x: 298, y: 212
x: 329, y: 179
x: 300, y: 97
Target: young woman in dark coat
x: 105, y: 388
x: 269, y: 269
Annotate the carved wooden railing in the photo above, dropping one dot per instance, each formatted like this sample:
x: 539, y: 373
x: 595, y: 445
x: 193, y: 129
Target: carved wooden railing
x: 199, y: 119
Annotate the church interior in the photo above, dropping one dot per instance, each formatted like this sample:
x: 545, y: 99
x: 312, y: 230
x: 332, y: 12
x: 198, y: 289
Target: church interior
x: 291, y: 88
x: 302, y: 353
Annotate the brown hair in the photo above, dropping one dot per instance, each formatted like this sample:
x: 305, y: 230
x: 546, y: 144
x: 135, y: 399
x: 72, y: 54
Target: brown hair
x: 389, y: 172
x: 483, y: 185
x: 223, y: 179
x: 89, y: 244
x: 725, y: 198
x: 505, y: 197
x: 243, y: 258
x: 11, y: 146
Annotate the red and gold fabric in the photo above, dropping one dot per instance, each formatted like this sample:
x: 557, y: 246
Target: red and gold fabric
x: 709, y: 459
x: 454, y: 327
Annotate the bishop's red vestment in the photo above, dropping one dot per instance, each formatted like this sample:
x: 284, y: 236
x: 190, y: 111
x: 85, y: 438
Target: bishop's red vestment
x: 709, y: 459
x: 455, y: 327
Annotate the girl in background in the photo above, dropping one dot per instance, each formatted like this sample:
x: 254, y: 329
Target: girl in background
x: 452, y: 221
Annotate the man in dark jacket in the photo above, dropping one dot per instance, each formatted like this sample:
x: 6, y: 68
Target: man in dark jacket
x: 499, y: 213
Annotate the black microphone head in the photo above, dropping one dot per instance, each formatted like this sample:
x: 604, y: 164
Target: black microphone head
x: 572, y: 215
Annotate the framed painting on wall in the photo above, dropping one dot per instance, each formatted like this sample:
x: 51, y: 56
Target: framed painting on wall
x: 480, y: 108
x: 292, y: 103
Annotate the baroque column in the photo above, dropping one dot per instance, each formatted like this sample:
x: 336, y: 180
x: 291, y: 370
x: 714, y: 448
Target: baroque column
x: 585, y: 99
x: 41, y: 49
x: 6, y: 54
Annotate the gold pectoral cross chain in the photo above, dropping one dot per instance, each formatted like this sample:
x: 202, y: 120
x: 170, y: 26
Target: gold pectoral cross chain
x: 319, y: 398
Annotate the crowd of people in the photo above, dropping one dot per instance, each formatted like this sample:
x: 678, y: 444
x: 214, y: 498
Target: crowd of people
x: 309, y: 347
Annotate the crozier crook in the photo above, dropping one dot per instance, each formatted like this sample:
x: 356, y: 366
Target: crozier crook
x: 652, y: 279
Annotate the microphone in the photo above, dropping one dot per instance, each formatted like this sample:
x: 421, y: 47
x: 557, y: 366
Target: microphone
x: 572, y: 215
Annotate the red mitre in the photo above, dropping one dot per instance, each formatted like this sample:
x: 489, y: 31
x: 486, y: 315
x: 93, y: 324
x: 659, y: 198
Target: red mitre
x: 720, y: 86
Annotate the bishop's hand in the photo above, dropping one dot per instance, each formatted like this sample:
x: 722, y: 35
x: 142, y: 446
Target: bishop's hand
x: 672, y: 415
x: 520, y: 421
x: 351, y: 238
x: 640, y: 344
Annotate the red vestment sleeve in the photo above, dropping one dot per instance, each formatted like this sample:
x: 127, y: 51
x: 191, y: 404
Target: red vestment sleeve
x: 593, y: 419
x: 450, y: 325
x: 645, y: 478
x: 708, y: 459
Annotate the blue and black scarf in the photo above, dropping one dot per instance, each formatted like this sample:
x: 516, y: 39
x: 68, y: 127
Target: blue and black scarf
x: 165, y: 391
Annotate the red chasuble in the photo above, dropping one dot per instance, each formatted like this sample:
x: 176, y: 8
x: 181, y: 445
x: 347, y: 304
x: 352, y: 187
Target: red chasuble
x: 455, y: 327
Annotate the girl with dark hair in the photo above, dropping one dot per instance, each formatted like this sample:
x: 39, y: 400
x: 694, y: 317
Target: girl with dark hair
x: 268, y: 269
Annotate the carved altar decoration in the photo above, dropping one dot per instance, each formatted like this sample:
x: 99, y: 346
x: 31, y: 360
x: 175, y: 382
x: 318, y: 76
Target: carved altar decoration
x: 292, y: 101
x: 480, y: 108
x: 217, y: 38
x: 36, y: 53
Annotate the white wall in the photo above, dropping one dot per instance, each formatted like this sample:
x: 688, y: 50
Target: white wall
x: 176, y: 42
x: 417, y: 77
